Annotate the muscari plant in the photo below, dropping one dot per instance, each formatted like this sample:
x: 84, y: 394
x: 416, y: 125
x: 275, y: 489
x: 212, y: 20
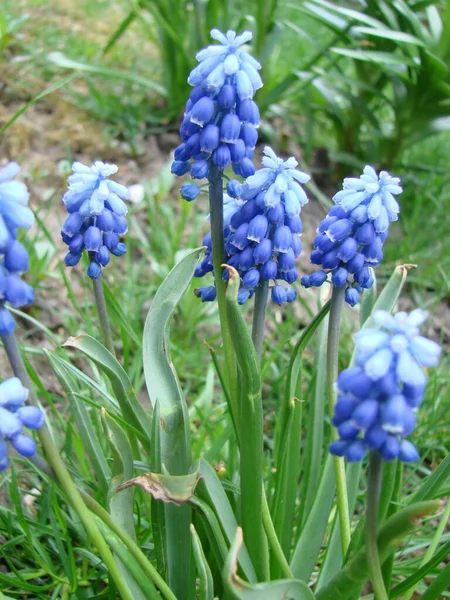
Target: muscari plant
x: 258, y: 530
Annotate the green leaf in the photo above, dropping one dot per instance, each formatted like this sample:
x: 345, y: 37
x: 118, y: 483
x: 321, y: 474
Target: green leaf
x: 118, y: 316
x: 130, y: 406
x: 238, y: 589
x: 375, y: 56
x: 174, y: 489
x: 439, y: 585
x: 82, y: 419
x: 118, y: 33
x: 162, y: 385
x: 251, y: 430
x: 389, y: 34
x: 356, y: 571
x: 59, y: 59
x: 211, y: 491
x: 206, y: 585
x: 432, y: 485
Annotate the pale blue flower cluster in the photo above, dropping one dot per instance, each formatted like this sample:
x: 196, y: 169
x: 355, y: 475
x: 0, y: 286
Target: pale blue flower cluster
x: 14, y: 214
x: 350, y: 239
x: 262, y: 229
x: 14, y: 417
x: 97, y: 216
x: 221, y: 118
x: 378, y: 399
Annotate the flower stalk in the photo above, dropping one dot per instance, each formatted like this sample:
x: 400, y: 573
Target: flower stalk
x: 373, y: 504
x: 259, y: 316
x: 102, y: 312
x: 334, y: 329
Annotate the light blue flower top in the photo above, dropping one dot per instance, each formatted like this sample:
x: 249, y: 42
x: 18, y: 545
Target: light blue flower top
x: 14, y: 211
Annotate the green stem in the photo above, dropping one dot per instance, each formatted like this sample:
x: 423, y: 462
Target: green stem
x: 259, y: 317
x: 373, y: 506
x: 62, y: 475
x: 273, y: 540
x: 217, y: 239
x: 334, y: 329
x: 103, y: 314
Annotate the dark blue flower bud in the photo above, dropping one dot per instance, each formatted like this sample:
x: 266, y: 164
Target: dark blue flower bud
x: 286, y: 260
x: 291, y: 294
x: 326, y: 223
x: 291, y: 276
x: 110, y: 240
x: 31, y: 416
x: 351, y: 296
x: 295, y: 224
x: 362, y: 276
x: 262, y: 251
x: 180, y: 168
x: 347, y: 250
x: 105, y: 220
x: 76, y: 245
x: 193, y: 145
x: 323, y: 243
x: 366, y: 413
x: 92, y: 238
x: 243, y: 295
x: 354, y: 381
x: 196, y: 93
x: 236, y: 220
x: 94, y: 270
x: 240, y: 239
x: 209, y: 138
x: 279, y: 295
x: 202, y: 111
x: 356, y: 263
x: 344, y: 408
x: 189, y: 191
x: 375, y: 437
x: 222, y: 156
x: 187, y: 128
x: 234, y: 188
x: 276, y: 214
x: 180, y: 153
x: 248, y: 112
x: 339, y: 277
x: 24, y: 445
x: 316, y: 257
x: 227, y: 96
x: 355, y: 451
x: 373, y: 252
x: 408, y: 452
x: 200, y: 169
x: 338, y: 211
x: 71, y: 260
x: 296, y: 245
x: 413, y: 394
x: 365, y: 234
x: 237, y: 151
x: 257, y: 228
x: 282, y: 239
x: 72, y: 224
x: 247, y: 168
x: 119, y: 250
x: 120, y: 224
x: 339, y: 230
x: 18, y: 293
x: 16, y: 257
x: 249, y: 135
x: 206, y: 294
x: 230, y: 128
x: 251, y: 278
x: 103, y: 256
x: 347, y: 430
x: 246, y: 259
x: 269, y: 270
x: 330, y: 260
x: 338, y: 447
x: 391, y: 448
x: 7, y: 323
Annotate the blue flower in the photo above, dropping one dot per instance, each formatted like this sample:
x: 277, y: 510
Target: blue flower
x: 14, y: 417
x: 220, y: 121
x: 97, y: 216
x: 378, y: 399
x: 350, y: 239
x: 262, y: 236
x: 14, y: 258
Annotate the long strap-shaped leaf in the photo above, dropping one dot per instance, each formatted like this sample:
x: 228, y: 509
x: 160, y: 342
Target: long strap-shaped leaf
x: 163, y: 386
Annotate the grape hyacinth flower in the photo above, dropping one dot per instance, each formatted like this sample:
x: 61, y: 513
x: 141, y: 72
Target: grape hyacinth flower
x: 97, y: 216
x: 378, y: 399
x: 14, y: 214
x: 14, y: 417
x: 221, y: 118
x: 350, y: 239
x: 262, y: 230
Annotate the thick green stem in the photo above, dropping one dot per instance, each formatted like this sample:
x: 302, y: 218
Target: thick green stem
x: 103, y: 314
x: 259, y: 317
x: 334, y: 329
x: 373, y: 506
x: 62, y: 475
x: 217, y: 239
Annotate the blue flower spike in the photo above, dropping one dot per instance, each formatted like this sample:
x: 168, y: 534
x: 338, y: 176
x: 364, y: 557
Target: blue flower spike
x: 14, y: 261
x: 14, y: 417
x: 221, y: 118
x: 96, y: 216
x: 350, y: 239
x: 263, y: 229
x: 378, y: 399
